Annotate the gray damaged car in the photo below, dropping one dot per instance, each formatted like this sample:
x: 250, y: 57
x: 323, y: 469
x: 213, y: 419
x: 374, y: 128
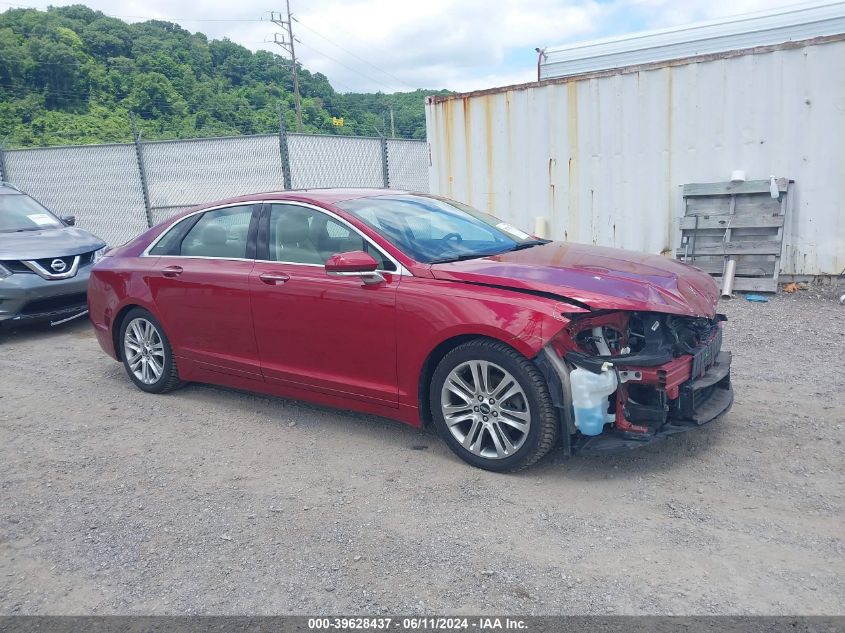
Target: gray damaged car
x: 44, y: 262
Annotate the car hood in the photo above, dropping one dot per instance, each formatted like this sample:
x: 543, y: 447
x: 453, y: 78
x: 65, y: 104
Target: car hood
x: 48, y: 243
x: 602, y: 278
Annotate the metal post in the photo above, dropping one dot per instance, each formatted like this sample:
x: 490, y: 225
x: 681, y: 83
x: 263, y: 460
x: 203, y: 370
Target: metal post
x: 4, y: 173
x: 283, y: 149
x: 385, y: 168
x: 139, y: 153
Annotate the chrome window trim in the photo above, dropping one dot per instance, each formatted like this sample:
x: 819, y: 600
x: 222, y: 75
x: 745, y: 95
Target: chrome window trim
x: 154, y: 243
x: 400, y: 269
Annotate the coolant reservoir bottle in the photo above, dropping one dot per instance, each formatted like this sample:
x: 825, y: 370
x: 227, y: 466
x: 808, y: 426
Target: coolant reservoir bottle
x: 589, y: 398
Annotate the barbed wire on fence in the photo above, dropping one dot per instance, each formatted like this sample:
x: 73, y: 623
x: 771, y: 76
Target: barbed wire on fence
x: 118, y: 190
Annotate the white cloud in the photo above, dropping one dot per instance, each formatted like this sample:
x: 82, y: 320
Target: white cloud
x: 369, y: 45
x: 448, y: 43
x: 664, y: 13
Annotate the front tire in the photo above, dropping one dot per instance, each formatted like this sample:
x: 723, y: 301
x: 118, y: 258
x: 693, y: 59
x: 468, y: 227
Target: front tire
x: 146, y: 353
x: 492, y: 406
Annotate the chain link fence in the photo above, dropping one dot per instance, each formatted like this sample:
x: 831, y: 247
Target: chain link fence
x: 408, y: 163
x: 181, y: 174
x: 335, y: 161
x: 99, y: 184
x: 117, y: 191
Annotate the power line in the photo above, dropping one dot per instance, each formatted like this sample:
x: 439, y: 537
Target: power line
x: 333, y: 43
x: 257, y: 65
x: 23, y: 91
x: 337, y: 61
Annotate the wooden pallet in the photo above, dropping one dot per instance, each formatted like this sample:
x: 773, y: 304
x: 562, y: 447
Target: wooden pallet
x: 742, y: 221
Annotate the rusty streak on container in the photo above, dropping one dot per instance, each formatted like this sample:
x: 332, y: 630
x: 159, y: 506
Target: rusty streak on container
x: 449, y: 135
x: 669, y: 127
x: 489, y: 151
x: 572, y: 211
x: 467, y: 145
x: 552, y: 163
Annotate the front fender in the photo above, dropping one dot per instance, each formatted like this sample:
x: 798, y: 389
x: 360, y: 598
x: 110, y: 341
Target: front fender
x: 430, y: 312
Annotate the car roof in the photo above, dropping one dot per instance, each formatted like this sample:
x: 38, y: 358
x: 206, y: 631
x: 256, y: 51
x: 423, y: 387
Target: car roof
x: 325, y: 196
x: 328, y: 196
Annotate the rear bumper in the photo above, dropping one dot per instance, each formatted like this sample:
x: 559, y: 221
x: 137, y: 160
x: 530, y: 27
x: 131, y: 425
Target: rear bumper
x: 27, y: 297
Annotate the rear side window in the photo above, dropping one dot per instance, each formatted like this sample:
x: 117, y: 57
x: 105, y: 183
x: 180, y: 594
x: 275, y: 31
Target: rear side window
x: 219, y: 233
x: 169, y: 243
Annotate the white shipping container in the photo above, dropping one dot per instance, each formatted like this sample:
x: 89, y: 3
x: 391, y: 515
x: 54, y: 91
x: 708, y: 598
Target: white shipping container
x: 603, y: 155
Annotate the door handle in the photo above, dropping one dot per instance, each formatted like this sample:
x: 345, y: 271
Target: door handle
x: 274, y: 278
x: 171, y: 271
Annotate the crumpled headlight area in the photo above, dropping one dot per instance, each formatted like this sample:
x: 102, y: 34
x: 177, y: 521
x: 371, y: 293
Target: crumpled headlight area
x: 644, y: 339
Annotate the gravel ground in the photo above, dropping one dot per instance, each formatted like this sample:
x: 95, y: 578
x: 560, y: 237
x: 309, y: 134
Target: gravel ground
x: 213, y: 501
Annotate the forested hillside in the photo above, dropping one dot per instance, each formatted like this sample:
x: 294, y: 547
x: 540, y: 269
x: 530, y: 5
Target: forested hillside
x: 72, y: 75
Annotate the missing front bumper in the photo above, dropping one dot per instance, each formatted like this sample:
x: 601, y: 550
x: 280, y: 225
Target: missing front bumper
x: 700, y: 401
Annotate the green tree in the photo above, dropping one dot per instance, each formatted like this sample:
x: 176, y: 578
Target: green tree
x: 71, y: 75
x: 153, y: 96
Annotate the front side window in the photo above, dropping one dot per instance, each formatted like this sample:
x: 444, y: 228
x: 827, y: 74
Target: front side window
x: 433, y: 230
x: 219, y: 233
x: 19, y: 212
x: 300, y: 235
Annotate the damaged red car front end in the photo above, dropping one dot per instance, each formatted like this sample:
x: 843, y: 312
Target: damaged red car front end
x: 645, y: 322
x: 671, y: 375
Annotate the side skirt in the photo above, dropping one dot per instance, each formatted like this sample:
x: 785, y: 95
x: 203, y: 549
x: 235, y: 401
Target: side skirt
x: 193, y: 372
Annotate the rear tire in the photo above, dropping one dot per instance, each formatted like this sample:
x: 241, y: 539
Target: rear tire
x: 492, y: 406
x: 146, y: 353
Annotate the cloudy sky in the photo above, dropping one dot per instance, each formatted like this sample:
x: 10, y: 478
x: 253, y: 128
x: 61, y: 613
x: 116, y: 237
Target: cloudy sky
x: 389, y: 45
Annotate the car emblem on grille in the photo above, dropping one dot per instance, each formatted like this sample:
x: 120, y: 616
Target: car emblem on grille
x: 58, y: 265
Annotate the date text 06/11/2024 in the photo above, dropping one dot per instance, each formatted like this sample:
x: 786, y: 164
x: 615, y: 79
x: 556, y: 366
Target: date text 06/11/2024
x: 417, y: 623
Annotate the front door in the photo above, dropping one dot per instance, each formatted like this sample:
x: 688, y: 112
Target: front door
x: 202, y: 292
x: 336, y: 335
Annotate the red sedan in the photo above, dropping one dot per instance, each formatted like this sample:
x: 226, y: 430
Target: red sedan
x: 420, y: 309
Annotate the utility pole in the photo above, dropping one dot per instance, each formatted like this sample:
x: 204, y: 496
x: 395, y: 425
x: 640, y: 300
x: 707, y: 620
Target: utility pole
x: 392, y: 126
x: 286, y: 43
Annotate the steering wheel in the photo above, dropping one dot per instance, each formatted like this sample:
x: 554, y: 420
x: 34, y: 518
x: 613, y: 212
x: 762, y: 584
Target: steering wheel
x: 448, y: 236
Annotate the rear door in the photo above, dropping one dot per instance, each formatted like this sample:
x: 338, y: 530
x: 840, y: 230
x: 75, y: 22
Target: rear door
x: 335, y: 335
x: 202, y: 289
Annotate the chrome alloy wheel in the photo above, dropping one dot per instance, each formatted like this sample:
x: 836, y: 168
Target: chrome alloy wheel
x: 144, y: 350
x: 485, y: 409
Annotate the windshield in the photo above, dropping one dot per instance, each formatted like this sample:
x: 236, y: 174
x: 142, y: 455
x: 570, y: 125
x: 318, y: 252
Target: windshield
x: 433, y: 230
x: 19, y: 212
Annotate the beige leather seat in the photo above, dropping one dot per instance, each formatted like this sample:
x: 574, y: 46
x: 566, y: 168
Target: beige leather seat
x: 214, y: 242
x: 293, y: 239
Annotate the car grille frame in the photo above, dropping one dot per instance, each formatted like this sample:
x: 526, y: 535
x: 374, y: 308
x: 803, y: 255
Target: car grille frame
x: 42, y: 267
x: 704, y: 356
